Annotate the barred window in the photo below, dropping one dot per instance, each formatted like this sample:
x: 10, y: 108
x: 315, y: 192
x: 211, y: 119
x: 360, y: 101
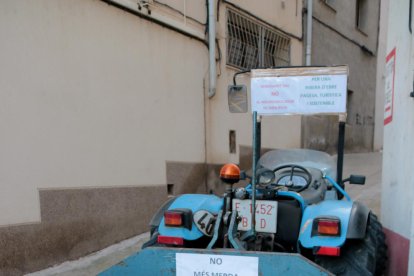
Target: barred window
x: 253, y: 45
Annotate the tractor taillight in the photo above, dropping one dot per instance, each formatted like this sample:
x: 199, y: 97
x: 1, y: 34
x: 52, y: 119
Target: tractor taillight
x: 170, y: 240
x: 179, y: 217
x: 173, y: 218
x: 329, y: 227
x: 328, y: 251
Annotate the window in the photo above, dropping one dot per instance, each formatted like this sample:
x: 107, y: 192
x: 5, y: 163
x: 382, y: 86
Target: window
x: 361, y: 14
x: 253, y: 45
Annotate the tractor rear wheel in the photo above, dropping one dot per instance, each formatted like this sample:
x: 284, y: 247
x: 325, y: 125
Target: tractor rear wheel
x: 360, y: 257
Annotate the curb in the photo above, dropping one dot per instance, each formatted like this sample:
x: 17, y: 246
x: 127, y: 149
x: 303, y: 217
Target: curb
x: 96, y: 262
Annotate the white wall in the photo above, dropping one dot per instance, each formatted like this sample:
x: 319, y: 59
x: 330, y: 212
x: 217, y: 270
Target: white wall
x: 398, y: 157
x: 92, y: 96
x: 379, y: 95
x: 398, y: 175
x: 192, y: 9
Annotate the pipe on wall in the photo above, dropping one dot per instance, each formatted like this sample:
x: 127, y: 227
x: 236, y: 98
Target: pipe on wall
x: 212, y: 48
x: 309, y: 33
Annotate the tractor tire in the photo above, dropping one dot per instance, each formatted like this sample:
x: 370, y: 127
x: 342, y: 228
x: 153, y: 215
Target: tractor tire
x: 360, y: 257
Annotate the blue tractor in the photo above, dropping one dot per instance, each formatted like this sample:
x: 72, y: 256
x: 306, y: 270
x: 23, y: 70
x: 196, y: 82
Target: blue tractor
x: 294, y: 202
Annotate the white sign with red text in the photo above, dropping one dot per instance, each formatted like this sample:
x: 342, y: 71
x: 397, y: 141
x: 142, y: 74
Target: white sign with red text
x: 266, y: 215
x: 389, y: 87
x: 316, y: 94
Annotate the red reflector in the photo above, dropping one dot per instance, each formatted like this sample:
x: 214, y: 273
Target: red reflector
x: 173, y: 218
x: 328, y: 251
x: 328, y: 227
x: 170, y: 240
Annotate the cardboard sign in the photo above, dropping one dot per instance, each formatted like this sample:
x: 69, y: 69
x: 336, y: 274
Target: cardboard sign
x: 215, y: 265
x: 302, y: 90
x: 389, y: 87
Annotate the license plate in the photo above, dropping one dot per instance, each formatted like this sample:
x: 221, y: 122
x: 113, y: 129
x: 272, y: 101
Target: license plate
x: 266, y: 215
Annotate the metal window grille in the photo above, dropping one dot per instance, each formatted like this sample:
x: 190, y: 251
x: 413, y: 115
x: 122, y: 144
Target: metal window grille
x: 253, y: 45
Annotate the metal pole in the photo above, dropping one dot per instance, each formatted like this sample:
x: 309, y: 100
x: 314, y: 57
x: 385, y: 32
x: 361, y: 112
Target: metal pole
x: 212, y: 47
x: 341, y: 144
x: 254, y: 173
x: 258, y: 138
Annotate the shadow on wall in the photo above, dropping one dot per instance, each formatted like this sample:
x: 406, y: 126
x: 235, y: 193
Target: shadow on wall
x: 186, y: 178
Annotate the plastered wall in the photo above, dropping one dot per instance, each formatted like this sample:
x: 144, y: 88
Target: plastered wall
x: 92, y: 96
x: 397, y: 174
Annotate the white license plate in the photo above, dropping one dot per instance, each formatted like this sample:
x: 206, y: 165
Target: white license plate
x: 266, y: 215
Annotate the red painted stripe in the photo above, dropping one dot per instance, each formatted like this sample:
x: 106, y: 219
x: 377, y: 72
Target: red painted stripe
x: 398, y: 251
x: 390, y: 55
x: 388, y: 120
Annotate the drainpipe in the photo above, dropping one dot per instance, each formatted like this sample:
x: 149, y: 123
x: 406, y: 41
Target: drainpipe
x: 212, y: 48
x: 309, y: 34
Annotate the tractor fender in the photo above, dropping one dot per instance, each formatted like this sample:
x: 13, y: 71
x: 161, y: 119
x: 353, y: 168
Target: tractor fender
x: 193, y: 202
x: 358, y: 221
x: 353, y: 217
x: 328, y: 208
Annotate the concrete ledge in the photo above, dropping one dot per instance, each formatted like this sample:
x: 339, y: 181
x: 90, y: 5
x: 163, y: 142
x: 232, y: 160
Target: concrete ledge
x: 98, y: 261
x: 77, y: 222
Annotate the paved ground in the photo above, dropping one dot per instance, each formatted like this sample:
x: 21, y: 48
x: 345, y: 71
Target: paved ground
x: 368, y: 164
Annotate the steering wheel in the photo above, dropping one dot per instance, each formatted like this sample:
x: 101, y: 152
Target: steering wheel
x: 290, y: 184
